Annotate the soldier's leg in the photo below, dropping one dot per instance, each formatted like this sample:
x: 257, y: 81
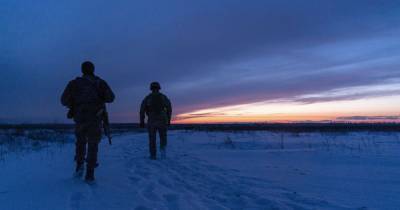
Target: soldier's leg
x: 162, y: 130
x: 152, y: 141
x: 80, y: 145
x: 94, y: 136
x: 163, y: 137
x: 93, y: 148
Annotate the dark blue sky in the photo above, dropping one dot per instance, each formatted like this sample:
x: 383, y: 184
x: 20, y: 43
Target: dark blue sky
x: 205, y: 53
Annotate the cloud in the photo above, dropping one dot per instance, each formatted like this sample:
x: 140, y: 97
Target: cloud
x: 389, y: 88
x: 199, y: 115
x: 204, y: 53
x: 370, y: 118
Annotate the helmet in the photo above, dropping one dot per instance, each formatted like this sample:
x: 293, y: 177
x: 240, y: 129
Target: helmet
x: 155, y: 86
x: 87, y: 68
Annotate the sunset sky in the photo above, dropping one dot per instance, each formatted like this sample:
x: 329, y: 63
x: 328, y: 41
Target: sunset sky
x: 218, y: 61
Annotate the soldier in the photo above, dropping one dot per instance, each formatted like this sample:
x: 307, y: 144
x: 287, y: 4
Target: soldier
x: 86, y: 96
x: 158, y: 109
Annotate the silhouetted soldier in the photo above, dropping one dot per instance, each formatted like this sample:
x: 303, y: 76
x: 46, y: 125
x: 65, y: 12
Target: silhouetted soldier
x: 86, y: 97
x: 158, y: 109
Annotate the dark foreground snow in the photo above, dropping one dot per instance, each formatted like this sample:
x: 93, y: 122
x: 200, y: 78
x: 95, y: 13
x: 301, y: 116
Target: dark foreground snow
x: 255, y: 170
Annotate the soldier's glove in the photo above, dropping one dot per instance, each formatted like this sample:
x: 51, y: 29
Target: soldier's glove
x: 141, y: 125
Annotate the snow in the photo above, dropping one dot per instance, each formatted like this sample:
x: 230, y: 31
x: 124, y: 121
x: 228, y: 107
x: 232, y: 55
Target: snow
x: 213, y: 170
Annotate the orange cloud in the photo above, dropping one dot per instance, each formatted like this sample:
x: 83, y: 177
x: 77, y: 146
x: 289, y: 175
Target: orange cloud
x: 379, y: 109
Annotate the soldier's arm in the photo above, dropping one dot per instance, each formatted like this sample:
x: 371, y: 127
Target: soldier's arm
x: 143, y: 110
x: 108, y: 94
x: 66, y: 97
x: 168, y: 107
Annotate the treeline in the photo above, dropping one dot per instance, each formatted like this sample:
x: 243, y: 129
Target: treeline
x: 273, y: 127
x: 298, y: 127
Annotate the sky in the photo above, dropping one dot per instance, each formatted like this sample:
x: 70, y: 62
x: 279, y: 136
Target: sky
x: 218, y: 61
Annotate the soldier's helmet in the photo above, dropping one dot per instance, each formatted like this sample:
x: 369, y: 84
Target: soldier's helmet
x: 155, y: 86
x: 87, y: 68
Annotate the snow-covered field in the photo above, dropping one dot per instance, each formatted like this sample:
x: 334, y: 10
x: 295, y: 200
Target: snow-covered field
x: 212, y: 170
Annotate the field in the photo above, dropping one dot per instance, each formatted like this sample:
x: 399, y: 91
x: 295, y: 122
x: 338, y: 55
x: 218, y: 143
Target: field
x: 207, y: 167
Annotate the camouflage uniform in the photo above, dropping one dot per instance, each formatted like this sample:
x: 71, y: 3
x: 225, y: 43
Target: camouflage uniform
x: 157, y: 121
x: 86, y: 96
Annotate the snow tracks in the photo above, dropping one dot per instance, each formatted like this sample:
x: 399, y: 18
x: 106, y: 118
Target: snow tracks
x: 185, y: 182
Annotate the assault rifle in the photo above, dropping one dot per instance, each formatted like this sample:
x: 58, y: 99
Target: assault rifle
x: 103, y: 114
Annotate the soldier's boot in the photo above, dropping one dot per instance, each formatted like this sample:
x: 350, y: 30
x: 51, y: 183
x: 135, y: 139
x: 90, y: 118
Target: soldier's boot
x: 153, y: 154
x: 153, y: 157
x: 163, y: 153
x: 79, y: 167
x: 79, y: 170
x: 89, y: 175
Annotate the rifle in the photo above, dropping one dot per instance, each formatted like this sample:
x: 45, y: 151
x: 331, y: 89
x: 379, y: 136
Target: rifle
x: 70, y: 114
x: 106, y: 123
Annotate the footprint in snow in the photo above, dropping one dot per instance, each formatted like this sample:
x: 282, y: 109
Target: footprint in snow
x: 142, y: 208
x: 149, y: 194
x: 76, y: 199
x: 134, y: 180
x: 172, y: 201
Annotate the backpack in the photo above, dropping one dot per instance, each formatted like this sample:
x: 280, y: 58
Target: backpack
x: 88, y: 93
x: 86, y: 100
x: 156, y: 103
